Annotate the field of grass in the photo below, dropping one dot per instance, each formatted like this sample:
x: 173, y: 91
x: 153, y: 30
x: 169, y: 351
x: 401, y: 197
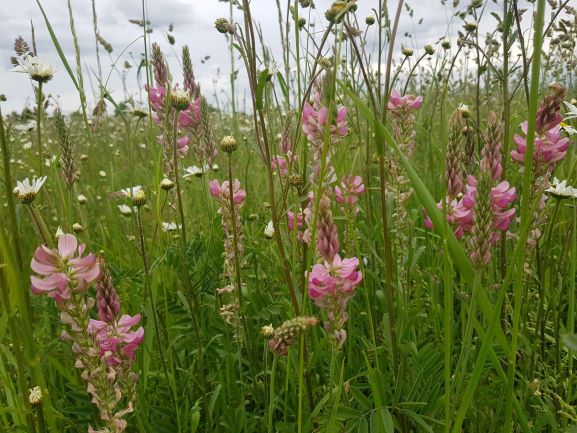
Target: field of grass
x: 379, y: 239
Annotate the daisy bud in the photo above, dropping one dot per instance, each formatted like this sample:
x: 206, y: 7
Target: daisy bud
x: 325, y: 62
x: 139, y: 198
x: 77, y: 228
x: 446, y: 44
x: 407, y: 52
x: 222, y: 25
x: 83, y: 157
x: 301, y: 22
x: 228, y: 144
x: 296, y: 180
x: 370, y: 20
x: 166, y: 184
x: 429, y: 50
x: 470, y: 26
x: 82, y: 199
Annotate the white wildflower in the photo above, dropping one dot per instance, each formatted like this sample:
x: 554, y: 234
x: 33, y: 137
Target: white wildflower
x: 560, y: 189
x: 27, y: 189
x: 37, y: 69
x: 170, y: 227
x: 269, y: 230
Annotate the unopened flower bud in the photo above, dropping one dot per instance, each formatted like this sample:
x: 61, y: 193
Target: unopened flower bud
x: 222, y: 25
x: 166, y: 184
x: 77, y: 228
x: 325, y: 62
x: 407, y: 52
x: 301, y: 22
x: 370, y: 20
x: 139, y: 198
x: 269, y: 230
x: 446, y: 44
x: 267, y: 331
x: 228, y: 144
x: 82, y: 199
x: 296, y: 180
x: 470, y: 26
x: 429, y: 50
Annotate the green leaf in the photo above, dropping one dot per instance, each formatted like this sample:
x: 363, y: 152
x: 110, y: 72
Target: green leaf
x: 262, y: 79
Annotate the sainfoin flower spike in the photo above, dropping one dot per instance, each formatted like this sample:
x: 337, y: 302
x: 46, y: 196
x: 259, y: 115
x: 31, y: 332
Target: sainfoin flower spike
x: 348, y: 192
x: 331, y: 286
x: 550, y: 147
x: 104, y: 348
x: 285, y: 335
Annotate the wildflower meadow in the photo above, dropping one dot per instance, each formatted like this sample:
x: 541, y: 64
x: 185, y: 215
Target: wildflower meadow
x: 358, y: 228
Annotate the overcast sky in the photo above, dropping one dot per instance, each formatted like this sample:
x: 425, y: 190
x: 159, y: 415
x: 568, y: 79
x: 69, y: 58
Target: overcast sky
x: 193, y: 25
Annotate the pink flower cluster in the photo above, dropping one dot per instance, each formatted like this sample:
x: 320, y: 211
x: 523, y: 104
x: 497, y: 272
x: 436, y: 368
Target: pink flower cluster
x: 406, y: 102
x: 315, y: 124
x: 303, y: 234
x: 348, y: 193
x: 315, y: 121
x: 332, y: 285
x: 105, y: 348
x: 283, y: 163
x: 116, y: 340
x: 63, y: 270
x: 188, y: 118
x: 460, y: 212
x: 549, y: 149
x: 221, y: 193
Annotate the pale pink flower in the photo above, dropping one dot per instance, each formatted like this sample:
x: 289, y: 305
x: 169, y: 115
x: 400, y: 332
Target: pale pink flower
x: 117, y: 340
x: 280, y: 164
x: 549, y: 148
x: 460, y: 212
x: 331, y: 286
x: 349, y: 191
x: 398, y: 102
x: 191, y: 117
x: 62, y: 270
x: 217, y: 190
x: 315, y: 123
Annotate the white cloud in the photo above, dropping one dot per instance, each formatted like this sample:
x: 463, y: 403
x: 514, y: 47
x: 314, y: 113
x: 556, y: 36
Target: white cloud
x: 193, y: 21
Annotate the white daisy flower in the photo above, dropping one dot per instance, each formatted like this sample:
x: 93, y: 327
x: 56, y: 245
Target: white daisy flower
x: 125, y: 210
x: 170, y: 227
x: 135, y: 110
x: 37, y: 69
x: 560, y: 189
x: 49, y: 161
x: 27, y: 189
x: 193, y: 171
x: 129, y: 192
x: 25, y: 127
